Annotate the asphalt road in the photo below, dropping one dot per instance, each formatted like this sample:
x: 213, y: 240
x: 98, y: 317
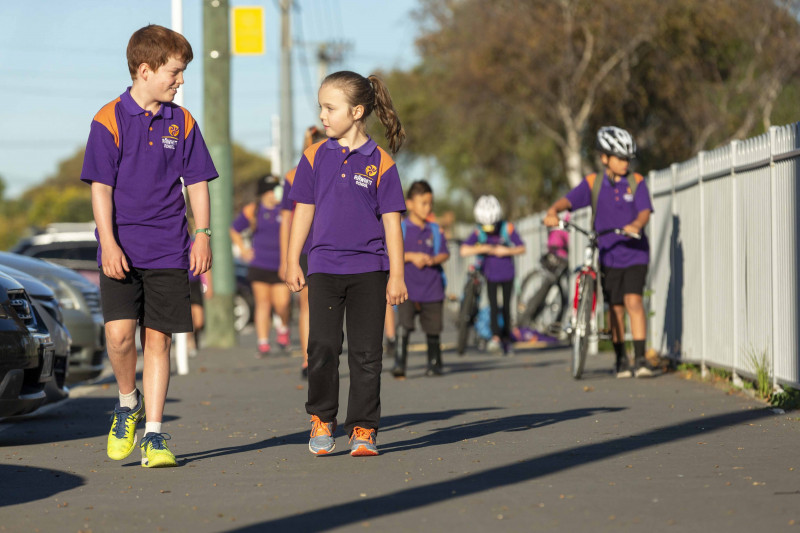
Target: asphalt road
x: 498, y: 443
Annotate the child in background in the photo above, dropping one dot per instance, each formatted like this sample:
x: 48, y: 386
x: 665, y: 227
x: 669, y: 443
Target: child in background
x: 496, y: 242
x: 140, y: 147
x: 263, y: 219
x: 425, y: 251
x: 349, y: 187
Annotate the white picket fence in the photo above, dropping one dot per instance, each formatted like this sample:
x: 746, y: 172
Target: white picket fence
x: 723, y: 279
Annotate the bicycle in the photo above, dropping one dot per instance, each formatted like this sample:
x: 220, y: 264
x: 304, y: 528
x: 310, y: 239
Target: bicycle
x: 469, y: 306
x: 542, y: 297
x: 583, y: 327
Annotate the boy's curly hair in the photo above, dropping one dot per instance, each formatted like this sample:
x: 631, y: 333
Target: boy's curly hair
x: 155, y: 45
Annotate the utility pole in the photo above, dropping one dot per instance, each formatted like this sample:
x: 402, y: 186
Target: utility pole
x: 327, y: 53
x: 220, y: 332
x: 287, y: 120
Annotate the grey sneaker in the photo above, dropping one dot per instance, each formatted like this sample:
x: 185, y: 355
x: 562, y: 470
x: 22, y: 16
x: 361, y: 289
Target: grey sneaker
x: 363, y: 442
x: 643, y: 372
x: 321, y: 441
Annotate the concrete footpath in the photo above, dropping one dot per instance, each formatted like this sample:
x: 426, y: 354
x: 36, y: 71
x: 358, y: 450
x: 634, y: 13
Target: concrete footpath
x: 498, y: 443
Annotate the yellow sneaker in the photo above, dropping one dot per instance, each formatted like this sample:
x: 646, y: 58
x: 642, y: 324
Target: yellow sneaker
x: 122, y: 437
x: 155, y: 453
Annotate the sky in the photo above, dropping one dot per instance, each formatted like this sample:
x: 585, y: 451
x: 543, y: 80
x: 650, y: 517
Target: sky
x: 61, y: 61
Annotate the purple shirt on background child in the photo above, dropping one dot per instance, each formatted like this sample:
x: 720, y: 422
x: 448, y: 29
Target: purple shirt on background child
x: 149, y: 208
x: 616, y: 208
x: 288, y: 205
x: 350, y: 191
x: 497, y: 269
x: 424, y: 284
x: 266, y: 236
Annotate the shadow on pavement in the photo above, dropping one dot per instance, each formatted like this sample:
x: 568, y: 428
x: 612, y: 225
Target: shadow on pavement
x: 480, y: 428
x: 518, y: 472
x: 22, y: 484
x: 78, y: 418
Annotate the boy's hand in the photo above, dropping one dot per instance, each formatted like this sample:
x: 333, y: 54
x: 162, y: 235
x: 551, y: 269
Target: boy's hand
x: 200, y: 258
x: 421, y: 260
x: 247, y: 254
x: 630, y: 228
x: 396, y: 292
x: 115, y: 265
x: 294, y: 277
x: 551, y: 220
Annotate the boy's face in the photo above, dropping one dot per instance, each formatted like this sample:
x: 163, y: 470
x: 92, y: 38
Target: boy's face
x: 162, y: 84
x: 420, y: 205
x: 615, y: 164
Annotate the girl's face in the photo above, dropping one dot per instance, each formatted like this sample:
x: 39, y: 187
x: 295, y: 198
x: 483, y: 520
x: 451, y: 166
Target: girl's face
x: 336, y: 114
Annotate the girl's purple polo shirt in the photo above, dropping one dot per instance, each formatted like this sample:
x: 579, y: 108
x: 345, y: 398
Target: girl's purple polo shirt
x: 497, y: 269
x: 266, y: 236
x: 350, y: 191
x: 143, y: 156
x: 424, y: 284
x: 616, y: 208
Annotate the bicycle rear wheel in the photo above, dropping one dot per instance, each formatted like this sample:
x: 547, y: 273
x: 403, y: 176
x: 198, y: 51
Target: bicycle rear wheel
x: 466, y: 315
x: 580, y: 335
x: 531, y: 296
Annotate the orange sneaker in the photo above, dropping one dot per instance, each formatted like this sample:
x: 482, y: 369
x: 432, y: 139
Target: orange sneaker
x: 363, y: 442
x: 321, y: 441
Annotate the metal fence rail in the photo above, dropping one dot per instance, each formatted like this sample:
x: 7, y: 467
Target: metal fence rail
x: 723, y: 283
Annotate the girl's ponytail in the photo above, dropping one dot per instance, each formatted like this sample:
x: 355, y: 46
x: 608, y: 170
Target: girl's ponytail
x: 384, y: 109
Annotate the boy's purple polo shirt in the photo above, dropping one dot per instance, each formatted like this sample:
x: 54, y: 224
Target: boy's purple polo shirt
x: 142, y: 157
x: 424, y: 284
x: 616, y: 208
x: 497, y: 269
x: 288, y: 205
x: 350, y: 190
x: 266, y: 237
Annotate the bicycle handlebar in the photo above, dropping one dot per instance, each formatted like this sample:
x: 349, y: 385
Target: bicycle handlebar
x: 563, y: 224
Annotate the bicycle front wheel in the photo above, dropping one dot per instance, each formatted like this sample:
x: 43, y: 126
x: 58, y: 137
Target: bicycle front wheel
x: 580, y: 335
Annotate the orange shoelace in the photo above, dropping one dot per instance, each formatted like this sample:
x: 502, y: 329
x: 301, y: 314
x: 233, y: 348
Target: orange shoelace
x: 360, y: 433
x: 319, y: 427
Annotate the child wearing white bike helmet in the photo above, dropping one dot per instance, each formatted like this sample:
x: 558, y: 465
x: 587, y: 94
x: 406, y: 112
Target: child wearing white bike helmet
x: 620, y: 200
x: 496, y: 242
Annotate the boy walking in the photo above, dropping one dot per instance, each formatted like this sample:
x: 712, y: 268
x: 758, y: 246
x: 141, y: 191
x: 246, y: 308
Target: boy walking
x: 425, y: 251
x: 619, y: 200
x: 139, y: 147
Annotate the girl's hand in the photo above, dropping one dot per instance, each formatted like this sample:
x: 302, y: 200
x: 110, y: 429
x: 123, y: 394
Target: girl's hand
x: 551, y: 220
x: 247, y: 255
x: 396, y: 292
x: 294, y: 277
x: 501, y: 251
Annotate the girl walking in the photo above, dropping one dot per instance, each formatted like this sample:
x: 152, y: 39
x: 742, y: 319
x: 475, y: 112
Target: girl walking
x: 349, y: 187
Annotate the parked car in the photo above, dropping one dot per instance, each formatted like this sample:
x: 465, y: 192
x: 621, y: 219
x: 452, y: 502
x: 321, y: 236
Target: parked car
x: 80, y: 306
x: 73, y: 245
x: 26, y: 351
x: 47, y: 306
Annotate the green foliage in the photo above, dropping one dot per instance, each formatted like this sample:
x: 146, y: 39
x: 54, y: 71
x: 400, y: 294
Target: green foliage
x: 760, y: 362
x: 720, y: 373
x: 788, y: 399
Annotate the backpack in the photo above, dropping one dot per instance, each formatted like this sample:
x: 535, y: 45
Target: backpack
x: 505, y: 233
x: 437, y: 244
x: 633, y: 181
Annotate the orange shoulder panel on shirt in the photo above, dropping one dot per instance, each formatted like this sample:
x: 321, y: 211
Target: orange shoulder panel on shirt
x: 638, y: 177
x: 509, y: 227
x: 289, y: 177
x: 188, y: 123
x: 590, y: 178
x: 386, y: 163
x: 249, y: 212
x: 107, y: 118
x: 311, y: 152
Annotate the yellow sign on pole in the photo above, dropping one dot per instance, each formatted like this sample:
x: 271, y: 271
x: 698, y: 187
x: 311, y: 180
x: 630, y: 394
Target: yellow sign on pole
x: 247, y: 30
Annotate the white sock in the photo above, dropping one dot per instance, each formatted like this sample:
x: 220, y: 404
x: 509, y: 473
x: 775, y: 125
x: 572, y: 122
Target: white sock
x: 152, y: 427
x: 263, y: 341
x: 129, y: 400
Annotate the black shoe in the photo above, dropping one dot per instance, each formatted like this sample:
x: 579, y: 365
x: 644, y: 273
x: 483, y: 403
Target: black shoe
x: 434, y: 357
x: 623, y: 368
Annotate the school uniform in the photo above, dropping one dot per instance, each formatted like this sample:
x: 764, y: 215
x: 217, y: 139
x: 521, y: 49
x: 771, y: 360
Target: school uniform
x: 623, y: 260
x: 143, y: 156
x: 287, y: 204
x: 425, y: 285
x: 266, y: 226
x: 348, y: 267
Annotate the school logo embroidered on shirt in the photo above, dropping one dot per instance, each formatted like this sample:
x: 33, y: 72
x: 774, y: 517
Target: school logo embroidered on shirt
x: 371, y: 170
x: 362, y: 180
x: 174, y: 130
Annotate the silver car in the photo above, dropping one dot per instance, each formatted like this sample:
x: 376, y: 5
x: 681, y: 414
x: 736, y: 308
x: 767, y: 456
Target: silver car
x: 80, y: 305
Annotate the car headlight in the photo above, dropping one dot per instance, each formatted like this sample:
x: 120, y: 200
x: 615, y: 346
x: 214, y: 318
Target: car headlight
x: 68, y: 297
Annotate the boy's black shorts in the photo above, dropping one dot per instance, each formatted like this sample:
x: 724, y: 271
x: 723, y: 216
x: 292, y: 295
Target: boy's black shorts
x: 157, y: 297
x: 430, y: 316
x: 196, y: 292
x: 617, y: 282
x: 262, y: 275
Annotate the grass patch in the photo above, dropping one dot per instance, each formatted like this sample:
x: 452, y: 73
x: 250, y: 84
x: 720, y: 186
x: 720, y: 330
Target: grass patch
x: 760, y: 363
